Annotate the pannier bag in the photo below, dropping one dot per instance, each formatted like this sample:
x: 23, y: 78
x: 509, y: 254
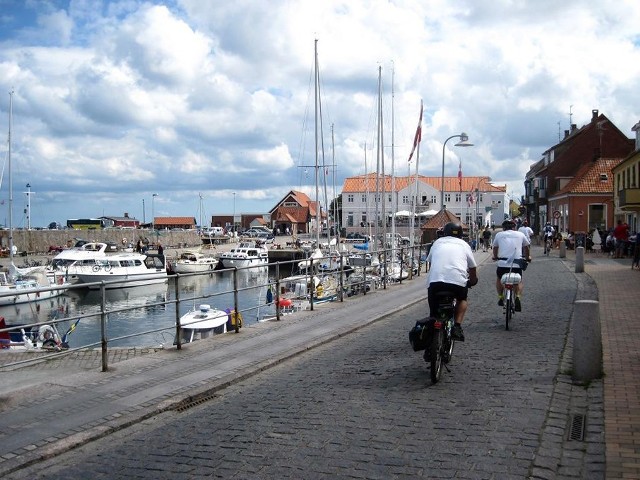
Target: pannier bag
x: 418, y: 336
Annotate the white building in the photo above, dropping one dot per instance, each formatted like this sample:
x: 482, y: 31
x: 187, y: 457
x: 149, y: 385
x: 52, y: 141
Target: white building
x: 366, y: 198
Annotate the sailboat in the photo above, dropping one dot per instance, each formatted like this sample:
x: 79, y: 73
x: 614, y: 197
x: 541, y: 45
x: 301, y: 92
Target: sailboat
x: 16, y: 285
x: 308, y: 285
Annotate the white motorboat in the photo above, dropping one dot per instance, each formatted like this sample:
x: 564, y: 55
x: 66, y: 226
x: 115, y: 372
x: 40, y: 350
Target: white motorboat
x: 246, y: 254
x: 27, y: 287
x: 193, y: 262
x: 202, y: 322
x: 68, y: 261
x: 124, y: 270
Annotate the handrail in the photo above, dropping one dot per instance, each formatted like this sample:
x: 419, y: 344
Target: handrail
x: 103, y: 311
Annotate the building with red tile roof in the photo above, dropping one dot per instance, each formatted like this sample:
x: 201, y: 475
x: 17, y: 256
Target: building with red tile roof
x: 472, y: 199
x: 297, y: 213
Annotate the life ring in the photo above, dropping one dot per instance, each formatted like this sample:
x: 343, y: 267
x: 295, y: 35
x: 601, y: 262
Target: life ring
x: 107, y: 267
x: 96, y: 268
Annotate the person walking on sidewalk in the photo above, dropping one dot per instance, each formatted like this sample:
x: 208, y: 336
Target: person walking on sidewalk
x: 511, y: 250
x: 451, y: 267
x: 486, y: 239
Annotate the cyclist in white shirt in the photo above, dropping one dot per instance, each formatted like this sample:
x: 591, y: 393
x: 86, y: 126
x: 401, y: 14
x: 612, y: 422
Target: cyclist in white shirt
x: 526, y: 230
x: 507, y: 246
x: 451, y: 267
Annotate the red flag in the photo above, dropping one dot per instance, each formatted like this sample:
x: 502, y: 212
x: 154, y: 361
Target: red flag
x: 470, y: 198
x: 460, y: 175
x: 418, y: 136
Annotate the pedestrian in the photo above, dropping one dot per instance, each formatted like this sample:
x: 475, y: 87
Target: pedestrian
x: 621, y: 236
x: 160, y: 249
x: 139, y: 246
x: 486, y: 239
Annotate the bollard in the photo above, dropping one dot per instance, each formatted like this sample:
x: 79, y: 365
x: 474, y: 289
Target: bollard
x: 579, y: 259
x: 587, y: 342
x: 563, y: 249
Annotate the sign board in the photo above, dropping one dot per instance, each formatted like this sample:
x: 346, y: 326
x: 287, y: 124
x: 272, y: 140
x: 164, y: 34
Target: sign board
x: 556, y: 214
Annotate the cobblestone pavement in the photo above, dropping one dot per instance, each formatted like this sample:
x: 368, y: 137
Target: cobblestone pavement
x: 362, y: 406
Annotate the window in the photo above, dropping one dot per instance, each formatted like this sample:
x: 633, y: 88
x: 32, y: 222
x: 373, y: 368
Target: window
x: 405, y: 199
x: 458, y: 197
x: 350, y: 198
x: 364, y: 219
x: 447, y: 197
x: 389, y: 198
x: 364, y: 198
x: 433, y: 199
x: 350, y: 219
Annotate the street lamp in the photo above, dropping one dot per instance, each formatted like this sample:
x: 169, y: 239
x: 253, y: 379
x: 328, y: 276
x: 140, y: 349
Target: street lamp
x: 464, y: 142
x: 153, y: 212
x: 28, y: 206
x: 234, y: 212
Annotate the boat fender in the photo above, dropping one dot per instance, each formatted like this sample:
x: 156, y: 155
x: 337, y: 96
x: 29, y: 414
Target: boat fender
x: 233, y: 318
x: 319, y: 291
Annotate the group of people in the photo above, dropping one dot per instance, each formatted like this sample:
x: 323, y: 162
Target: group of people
x: 452, y: 267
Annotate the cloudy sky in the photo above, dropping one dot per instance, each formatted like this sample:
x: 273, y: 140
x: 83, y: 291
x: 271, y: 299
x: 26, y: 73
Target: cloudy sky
x: 210, y: 102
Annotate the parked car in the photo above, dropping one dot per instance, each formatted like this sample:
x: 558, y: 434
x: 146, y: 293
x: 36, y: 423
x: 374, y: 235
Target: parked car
x: 357, y: 237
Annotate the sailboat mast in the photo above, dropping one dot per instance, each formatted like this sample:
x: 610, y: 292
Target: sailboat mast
x: 394, y: 200
x: 10, y: 179
x: 317, y: 93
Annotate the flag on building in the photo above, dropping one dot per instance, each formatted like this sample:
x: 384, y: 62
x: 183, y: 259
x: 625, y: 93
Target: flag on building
x: 460, y: 175
x: 418, y: 136
x: 470, y: 198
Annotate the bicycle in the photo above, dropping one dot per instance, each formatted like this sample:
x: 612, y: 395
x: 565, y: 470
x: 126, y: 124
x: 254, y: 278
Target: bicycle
x: 510, y: 283
x: 433, y: 335
x: 440, y: 348
x: 548, y: 244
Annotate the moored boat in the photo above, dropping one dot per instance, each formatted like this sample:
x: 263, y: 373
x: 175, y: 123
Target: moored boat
x: 124, y: 270
x: 193, y: 262
x: 246, y: 254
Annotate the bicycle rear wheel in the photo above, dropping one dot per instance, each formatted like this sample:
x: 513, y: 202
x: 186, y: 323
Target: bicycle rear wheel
x: 507, y: 311
x: 436, y: 348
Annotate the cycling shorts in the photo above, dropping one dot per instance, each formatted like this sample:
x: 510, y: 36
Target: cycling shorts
x: 502, y: 270
x: 460, y: 293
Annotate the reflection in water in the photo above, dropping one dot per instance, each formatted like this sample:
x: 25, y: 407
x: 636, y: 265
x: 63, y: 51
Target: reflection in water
x: 136, y: 309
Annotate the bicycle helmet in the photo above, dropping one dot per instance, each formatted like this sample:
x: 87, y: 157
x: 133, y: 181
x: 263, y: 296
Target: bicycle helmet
x: 508, y: 224
x: 452, y: 229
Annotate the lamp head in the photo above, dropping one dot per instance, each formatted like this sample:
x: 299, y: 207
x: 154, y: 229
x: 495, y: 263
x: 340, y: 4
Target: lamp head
x: 464, y: 141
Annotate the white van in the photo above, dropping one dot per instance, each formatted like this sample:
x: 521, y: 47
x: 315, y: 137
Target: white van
x: 213, y: 231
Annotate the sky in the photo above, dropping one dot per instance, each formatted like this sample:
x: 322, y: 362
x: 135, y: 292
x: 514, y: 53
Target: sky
x: 210, y: 104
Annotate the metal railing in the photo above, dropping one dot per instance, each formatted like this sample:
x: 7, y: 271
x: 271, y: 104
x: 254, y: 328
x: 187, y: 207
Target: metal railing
x: 364, y: 282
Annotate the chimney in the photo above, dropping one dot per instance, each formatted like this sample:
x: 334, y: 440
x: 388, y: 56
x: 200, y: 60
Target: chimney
x: 126, y: 215
x: 574, y: 127
x: 596, y: 154
x: 566, y: 133
x: 594, y: 115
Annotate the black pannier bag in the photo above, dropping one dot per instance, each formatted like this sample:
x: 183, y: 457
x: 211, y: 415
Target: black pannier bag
x: 418, y: 335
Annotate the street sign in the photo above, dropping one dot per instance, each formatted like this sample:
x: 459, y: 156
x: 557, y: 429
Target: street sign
x: 556, y: 214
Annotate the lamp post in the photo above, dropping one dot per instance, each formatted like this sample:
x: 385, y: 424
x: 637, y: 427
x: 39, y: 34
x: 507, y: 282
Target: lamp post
x: 153, y: 211
x: 464, y: 142
x: 234, y: 211
x: 28, y: 206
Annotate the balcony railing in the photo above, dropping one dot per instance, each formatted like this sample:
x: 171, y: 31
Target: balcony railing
x: 629, y: 197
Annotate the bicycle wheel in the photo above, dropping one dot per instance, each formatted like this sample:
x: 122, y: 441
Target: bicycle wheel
x: 447, y: 348
x: 507, y: 310
x: 436, y: 355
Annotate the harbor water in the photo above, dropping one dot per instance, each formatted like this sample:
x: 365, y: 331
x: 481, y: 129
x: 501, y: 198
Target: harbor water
x: 133, y: 310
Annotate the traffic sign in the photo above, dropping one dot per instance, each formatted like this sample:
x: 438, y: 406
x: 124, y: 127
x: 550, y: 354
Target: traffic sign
x: 556, y: 214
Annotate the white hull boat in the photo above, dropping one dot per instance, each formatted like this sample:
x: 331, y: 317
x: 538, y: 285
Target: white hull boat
x: 194, y: 262
x: 124, y: 270
x: 203, y: 322
x: 246, y: 254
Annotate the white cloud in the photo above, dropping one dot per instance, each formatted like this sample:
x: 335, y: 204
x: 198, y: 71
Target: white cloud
x: 142, y: 97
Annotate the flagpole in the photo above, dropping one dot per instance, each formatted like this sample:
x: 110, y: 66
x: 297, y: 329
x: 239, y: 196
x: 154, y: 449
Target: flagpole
x: 416, y: 147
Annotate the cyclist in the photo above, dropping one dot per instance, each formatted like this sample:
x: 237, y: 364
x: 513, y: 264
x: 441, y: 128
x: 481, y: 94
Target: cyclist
x: 526, y: 229
x: 548, y: 233
x: 507, y: 245
x: 451, y: 267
